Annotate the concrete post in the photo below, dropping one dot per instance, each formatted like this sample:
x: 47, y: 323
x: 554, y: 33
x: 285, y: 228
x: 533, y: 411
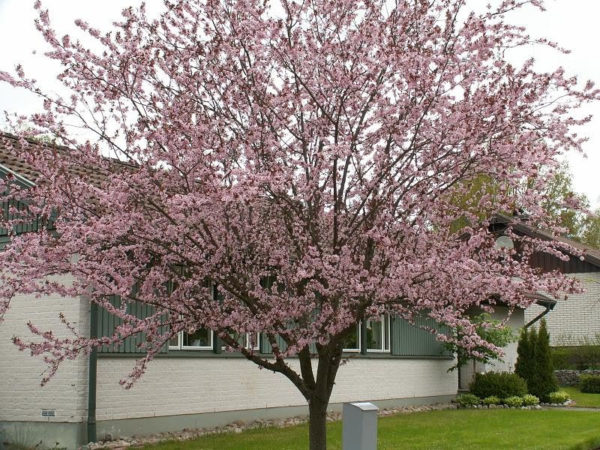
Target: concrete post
x: 359, y: 426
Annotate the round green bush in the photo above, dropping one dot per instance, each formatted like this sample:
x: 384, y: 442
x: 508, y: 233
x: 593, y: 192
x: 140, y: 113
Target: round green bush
x: 589, y: 384
x: 498, y: 384
x: 530, y: 400
x: 514, y: 401
x: 492, y: 400
x: 558, y: 397
x: 467, y: 400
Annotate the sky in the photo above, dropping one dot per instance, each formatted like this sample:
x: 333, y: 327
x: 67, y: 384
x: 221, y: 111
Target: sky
x: 571, y: 23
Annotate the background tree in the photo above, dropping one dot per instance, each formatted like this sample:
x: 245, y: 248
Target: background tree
x: 591, y: 233
x: 311, y: 144
x: 489, y: 330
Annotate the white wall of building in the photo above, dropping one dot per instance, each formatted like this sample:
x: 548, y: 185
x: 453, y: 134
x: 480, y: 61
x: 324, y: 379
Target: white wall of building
x: 577, y: 318
x: 21, y: 397
x: 174, y: 386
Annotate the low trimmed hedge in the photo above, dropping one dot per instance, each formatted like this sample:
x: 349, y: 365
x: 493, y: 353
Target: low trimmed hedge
x: 589, y: 384
x: 498, y: 384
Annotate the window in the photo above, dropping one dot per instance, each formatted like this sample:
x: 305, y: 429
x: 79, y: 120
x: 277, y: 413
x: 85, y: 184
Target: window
x: 201, y: 339
x: 248, y: 340
x: 378, y: 334
x: 352, y: 343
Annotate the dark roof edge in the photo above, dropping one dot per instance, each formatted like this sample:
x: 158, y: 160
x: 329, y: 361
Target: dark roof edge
x: 540, y: 234
x: 24, y: 180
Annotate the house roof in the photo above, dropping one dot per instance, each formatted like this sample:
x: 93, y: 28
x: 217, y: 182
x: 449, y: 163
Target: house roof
x: 591, y: 255
x: 11, y: 162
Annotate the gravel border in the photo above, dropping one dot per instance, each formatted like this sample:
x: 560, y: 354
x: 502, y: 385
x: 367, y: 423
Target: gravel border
x: 238, y: 427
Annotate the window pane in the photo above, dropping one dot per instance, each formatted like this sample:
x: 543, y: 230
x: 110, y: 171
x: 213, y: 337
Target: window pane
x: 375, y: 335
x: 353, y: 340
x: 200, y: 338
x: 174, y: 341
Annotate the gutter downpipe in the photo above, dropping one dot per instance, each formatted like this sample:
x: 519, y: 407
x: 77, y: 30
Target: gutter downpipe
x: 539, y: 316
x: 92, y: 376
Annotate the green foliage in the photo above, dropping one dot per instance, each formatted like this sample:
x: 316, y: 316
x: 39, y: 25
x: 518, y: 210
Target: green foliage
x: 513, y: 401
x: 492, y: 331
x: 447, y: 429
x: 468, y: 196
x: 559, y: 190
x: 585, y: 355
x: 582, y: 399
x: 542, y: 382
x: 591, y: 233
x: 589, y: 384
x: 530, y: 400
x: 535, y: 362
x: 492, y: 400
x: 467, y: 400
x: 558, y: 397
x: 499, y: 384
x: 524, y: 366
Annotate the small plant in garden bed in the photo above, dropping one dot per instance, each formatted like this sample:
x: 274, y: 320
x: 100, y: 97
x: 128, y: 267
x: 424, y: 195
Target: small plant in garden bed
x: 513, y: 401
x: 492, y: 400
x: 467, y: 400
x: 589, y: 384
x: 558, y: 397
x: 530, y: 400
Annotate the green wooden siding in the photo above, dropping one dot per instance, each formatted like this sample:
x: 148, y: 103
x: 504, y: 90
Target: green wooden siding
x: 107, y: 323
x: 26, y: 226
x: 265, y: 345
x: 410, y: 340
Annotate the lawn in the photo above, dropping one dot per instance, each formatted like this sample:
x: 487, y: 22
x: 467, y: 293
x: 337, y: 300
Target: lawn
x: 450, y: 429
x: 582, y: 399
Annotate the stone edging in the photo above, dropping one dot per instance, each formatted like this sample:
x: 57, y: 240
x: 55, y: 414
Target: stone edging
x: 238, y: 427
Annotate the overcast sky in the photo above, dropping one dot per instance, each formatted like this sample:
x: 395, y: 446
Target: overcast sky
x: 572, y: 23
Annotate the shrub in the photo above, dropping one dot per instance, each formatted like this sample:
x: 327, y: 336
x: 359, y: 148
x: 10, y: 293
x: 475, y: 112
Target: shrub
x: 530, y: 400
x: 499, y: 384
x: 562, y: 358
x: 514, y: 401
x: 543, y: 381
x: 492, y: 400
x: 558, y: 397
x: 589, y: 383
x: 467, y: 400
x: 524, y: 366
x: 581, y: 356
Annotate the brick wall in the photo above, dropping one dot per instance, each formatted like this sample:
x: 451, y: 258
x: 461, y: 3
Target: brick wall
x: 21, y: 397
x: 175, y: 386
x: 576, y: 318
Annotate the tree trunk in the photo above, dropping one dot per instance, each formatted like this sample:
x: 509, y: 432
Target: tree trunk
x: 317, y: 429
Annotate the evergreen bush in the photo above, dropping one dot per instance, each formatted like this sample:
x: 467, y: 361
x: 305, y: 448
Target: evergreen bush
x: 525, y: 361
x: 542, y: 382
x: 499, y: 384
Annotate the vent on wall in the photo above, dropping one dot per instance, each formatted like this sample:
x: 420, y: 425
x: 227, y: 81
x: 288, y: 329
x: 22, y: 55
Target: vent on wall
x: 48, y: 413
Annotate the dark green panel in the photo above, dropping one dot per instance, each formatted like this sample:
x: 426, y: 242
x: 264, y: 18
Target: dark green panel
x: 265, y: 346
x: 108, y: 322
x: 410, y: 340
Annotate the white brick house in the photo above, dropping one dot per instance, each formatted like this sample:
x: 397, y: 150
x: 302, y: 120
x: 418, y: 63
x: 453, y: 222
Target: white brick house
x: 194, y: 383
x: 182, y: 389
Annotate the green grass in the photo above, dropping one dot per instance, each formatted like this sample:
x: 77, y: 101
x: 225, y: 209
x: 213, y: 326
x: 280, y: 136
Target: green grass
x: 582, y: 399
x: 450, y: 429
